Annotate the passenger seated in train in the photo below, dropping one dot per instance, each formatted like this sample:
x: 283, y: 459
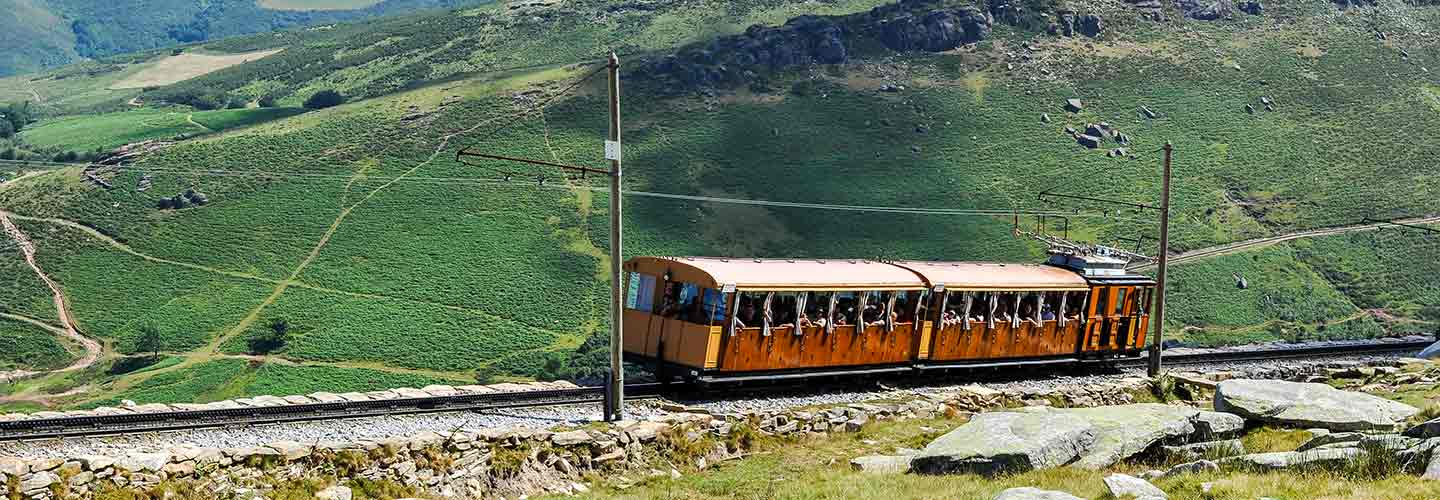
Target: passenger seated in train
x: 1002, y: 311
x: 949, y: 318
x: 1046, y: 314
x: 1027, y: 312
x: 747, y: 317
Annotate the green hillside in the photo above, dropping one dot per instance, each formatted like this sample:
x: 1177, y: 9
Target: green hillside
x: 36, y: 34
x: 110, y: 130
x: 356, y: 227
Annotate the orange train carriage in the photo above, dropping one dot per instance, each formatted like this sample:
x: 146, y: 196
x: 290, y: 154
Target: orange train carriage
x: 713, y: 319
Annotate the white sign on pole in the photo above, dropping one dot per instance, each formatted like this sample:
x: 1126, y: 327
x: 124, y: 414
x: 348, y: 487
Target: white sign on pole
x: 612, y: 150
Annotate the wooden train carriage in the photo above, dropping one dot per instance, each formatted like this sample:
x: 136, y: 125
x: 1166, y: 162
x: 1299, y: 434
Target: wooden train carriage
x: 984, y: 311
x: 713, y: 316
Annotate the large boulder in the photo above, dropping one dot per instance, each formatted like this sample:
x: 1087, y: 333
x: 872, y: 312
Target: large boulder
x: 1309, y: 405
x: 1123, y: 431
x: 936, y: 31
x: 1001, y: 442
x: 1031, y: 493
x: 1091, y: 438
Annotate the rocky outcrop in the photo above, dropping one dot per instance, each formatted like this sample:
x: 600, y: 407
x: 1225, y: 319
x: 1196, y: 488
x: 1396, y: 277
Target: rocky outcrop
x: 1309, y: 405
x: 1204, y: 10
x: 1031, y: 493
x: 881, y: 464
x: 909, y: 25
x: 1069, y: 23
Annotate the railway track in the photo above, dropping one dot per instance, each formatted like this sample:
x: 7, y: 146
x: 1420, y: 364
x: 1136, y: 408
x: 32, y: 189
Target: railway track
x: 133, y: 423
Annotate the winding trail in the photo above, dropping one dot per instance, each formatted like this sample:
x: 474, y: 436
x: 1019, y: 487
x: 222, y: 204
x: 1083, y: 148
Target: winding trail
x: 62, y: 310
x: 1269, y: 241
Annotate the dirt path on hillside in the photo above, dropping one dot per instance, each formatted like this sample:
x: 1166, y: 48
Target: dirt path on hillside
x: 1269, y: 241
x: 62, y: 309
x: 190, y: 118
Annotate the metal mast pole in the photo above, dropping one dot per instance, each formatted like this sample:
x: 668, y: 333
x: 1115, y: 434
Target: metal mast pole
x: 617, y: 363
x: 1164, y: 267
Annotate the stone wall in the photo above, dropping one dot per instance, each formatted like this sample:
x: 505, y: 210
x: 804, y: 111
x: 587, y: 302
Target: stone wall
x: 471, y: 463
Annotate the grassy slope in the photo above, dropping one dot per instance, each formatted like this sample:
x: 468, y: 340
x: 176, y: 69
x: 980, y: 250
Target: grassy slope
x: 25, y: 346
x: 107, y: 131
x: 56, y: 32
x: 237, y: 378
x: 451, y: 275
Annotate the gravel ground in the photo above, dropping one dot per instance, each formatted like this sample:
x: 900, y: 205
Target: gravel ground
x: 348, y: 430
x: 376, y: 428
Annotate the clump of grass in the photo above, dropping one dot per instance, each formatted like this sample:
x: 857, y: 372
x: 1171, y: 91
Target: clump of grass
x: 679, y: 446
x: 436, y: 460
x: 1162, y: 387
x: 1427, y: 413
x: 1271, y: 439
x: 507, y: 462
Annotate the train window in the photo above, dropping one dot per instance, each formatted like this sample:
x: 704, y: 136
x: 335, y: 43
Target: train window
x: 1142, y: 297
x: 782, y: 309
x: 1120, y: 294
x: 1101, y: 301
x: 641, y: 293
x: 847, y: 306
x: 690, y: 308
x: 1050, y: 305
x: 714, y: 306
x: 748, y: 314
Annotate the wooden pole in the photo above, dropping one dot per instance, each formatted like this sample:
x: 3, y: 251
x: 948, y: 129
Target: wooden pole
x: 617, y: 363
x: 1164, y: 267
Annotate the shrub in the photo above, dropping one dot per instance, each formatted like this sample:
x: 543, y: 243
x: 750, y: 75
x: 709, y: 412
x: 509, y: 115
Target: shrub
x: 324, y: 99
x: 486, y: 375
x: 236, y: 103
x: 270, y: 339
x: 266, y: 101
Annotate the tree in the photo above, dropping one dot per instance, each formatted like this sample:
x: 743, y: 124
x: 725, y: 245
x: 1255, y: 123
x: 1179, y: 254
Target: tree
x: 266, y: 101
x: 150, y: 341
x: 324, y: 99
x: 7, y: 130
x: 236, y: 103
x: 18, y: 115
x: 270, y: 339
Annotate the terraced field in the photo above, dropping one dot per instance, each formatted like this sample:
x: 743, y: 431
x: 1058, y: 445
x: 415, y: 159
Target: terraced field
x: 356, y: 227
x: 110, y: 130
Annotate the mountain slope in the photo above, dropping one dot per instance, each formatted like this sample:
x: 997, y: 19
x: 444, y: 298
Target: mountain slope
x: 36, y: 34
x: 357, y: 226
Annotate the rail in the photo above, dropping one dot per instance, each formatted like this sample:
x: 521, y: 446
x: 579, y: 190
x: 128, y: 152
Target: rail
x: 131, y: 423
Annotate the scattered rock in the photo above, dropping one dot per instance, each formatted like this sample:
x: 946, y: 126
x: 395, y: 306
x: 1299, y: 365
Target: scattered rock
x: 1252, y: 7
x: 1117, y: 153
x: 1199, y: 9
x: 1088, y: 141
x: 1195, y: 467
x: 1124, y: 486
x: 1427, y: 430
x: 335, y: 493
x: 1031, y: 493
x: 1074, y: 105
x: 1329, y: 439
x: 881, y: 464
x: 1196, y: 451
x: 1249, y: 108
x: 1044, y: 117
x: 1292, y: 459
x: 1309, y: 405
x: 1145, y: 110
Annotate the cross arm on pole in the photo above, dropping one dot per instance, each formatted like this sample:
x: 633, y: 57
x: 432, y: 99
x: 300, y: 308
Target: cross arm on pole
x: 469, y: 153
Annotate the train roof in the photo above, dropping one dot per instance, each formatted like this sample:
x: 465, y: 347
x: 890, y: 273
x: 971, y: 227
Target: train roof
x: 781, y: 274
x: 852, y: 274
x: 982, y: 276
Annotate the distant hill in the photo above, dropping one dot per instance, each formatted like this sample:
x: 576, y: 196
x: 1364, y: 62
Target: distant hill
x: 37, y: 34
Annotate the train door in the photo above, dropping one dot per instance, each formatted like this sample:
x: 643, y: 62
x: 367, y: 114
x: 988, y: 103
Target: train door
x: 1097, y: 325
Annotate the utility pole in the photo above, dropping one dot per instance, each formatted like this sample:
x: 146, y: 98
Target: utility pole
x: 1164, y: 267
x: 615, y: 411
x: 615, y: 383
